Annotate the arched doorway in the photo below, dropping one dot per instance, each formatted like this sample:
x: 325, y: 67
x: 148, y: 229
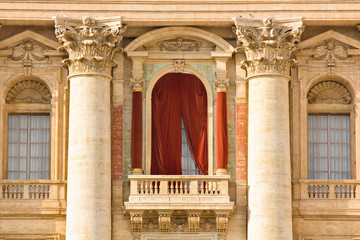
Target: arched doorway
x: 179, y: 121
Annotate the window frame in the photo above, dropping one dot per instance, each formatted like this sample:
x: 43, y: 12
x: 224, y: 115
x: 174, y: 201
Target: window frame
x: 333, y: 108
x: 32, y: 109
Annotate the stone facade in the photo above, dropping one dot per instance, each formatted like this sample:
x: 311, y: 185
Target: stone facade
x: 83, y: 62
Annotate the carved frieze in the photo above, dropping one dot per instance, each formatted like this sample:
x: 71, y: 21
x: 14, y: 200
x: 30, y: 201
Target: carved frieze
x: 268, y: 44
x: 329, y: 92
x: 29, y: 91
x: 179, y: 44
x: 91, y: 44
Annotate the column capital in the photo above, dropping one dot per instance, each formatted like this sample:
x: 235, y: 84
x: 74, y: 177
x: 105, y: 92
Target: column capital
x: 268, y: 43
x: 137, y: 84
x: 91, y: 44
x: 221, y: 84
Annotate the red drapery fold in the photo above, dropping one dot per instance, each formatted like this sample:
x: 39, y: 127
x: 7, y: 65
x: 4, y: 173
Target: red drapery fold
x: 176, y: 95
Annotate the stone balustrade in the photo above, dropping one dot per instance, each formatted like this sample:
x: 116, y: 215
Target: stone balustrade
x: 194, y: 196
x: 324, y: 198
x: 35, y: 195
x: 328, y: 189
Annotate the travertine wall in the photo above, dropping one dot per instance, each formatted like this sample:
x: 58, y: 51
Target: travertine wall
x: 312, y: 219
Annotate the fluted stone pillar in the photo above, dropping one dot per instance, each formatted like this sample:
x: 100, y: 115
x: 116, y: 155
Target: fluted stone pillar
x: 268, y: 45
x: 91, y: 45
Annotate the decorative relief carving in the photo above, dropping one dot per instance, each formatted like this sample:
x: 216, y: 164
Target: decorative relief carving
x: 29, y: 91
x: 136, y: 222
x: 221, y: 84
x: 179, y: 44
x: 329, y: 92
x: 27, y: 51
x: 330, y: 51
x: 221, y: 222
x: 179, y: 65
x: 137, y: 84
x: 164, y: 222
x: 91, y: 45
x: 194, y: 222
x: 268, y: 45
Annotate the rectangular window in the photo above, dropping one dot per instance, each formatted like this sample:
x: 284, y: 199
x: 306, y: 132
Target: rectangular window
x: 329, y: 146
x: 28, y: 146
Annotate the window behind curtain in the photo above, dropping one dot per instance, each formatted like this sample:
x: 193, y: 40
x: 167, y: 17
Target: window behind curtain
x: 28, y: 146
x: 187, y: 161
x: 329, y: 146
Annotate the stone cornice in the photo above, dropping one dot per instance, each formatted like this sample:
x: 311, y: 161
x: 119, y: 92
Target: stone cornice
x: 268, y: 44
x: 91, y: 44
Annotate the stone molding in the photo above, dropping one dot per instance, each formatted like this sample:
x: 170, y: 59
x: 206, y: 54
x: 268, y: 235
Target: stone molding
x: 329, y: 92
x: 29, y: 91
x: 268, y: 44
x: 91, y: 44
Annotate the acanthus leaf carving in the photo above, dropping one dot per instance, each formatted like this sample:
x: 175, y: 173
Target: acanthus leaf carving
x: 179, y: 44
x: 221, y: 84
x: 137, y: 84
x: 90, y: 45
x: 268, y: 45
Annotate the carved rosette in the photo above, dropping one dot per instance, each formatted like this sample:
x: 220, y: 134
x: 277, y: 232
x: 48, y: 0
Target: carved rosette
x: 90, y: 44
x: 268, y: 44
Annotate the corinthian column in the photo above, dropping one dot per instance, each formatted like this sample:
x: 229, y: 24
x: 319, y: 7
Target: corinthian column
x: 268, y: 45
x: 91, y: 45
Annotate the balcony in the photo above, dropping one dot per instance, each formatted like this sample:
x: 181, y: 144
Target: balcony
x: 32, y: 197
x: 326, y: 198
x: 191, y: 198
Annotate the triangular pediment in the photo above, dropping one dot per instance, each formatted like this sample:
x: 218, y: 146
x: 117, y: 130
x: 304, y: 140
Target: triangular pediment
x: 330, y: 36
x: 29, y: 36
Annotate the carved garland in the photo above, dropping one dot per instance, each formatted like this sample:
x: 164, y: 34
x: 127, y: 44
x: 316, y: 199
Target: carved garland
x: 29, y: 91
x: 329, y: 92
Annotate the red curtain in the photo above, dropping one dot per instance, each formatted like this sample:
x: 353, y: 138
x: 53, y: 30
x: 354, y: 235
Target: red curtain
x: 173, y: 96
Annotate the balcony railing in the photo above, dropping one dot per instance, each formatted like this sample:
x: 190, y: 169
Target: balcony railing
x: 165, y: 195
x: 35, y: 195
x: 324, y: 198
x: 197, y: 191
x: 328, y: 189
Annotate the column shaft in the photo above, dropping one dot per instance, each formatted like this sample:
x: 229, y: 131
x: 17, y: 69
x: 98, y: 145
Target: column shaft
x: 221, y: 133
x: 136, y: 133
x: 269, y: 176
x: 89, y: 162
